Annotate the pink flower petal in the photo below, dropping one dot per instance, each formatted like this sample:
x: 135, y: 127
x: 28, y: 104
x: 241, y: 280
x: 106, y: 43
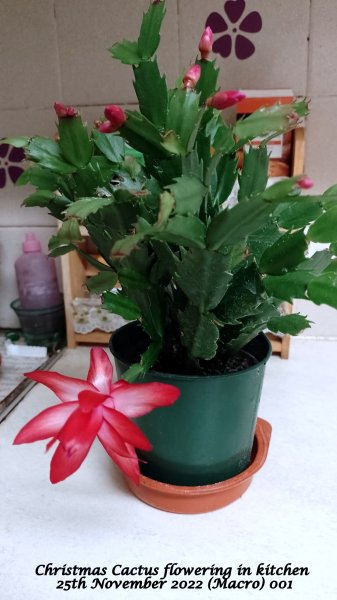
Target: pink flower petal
x: 100, y: 370
x: 113, y: 439
x: 244, y: 48
x: 129, y: 465
x: 223, y: 45
x: 137, y: 399
x: 216, y: 22
x: 46, y: 424
x: 234, y: 9
x: 65, y: 388
x: 89, y: 400
x: 252, y: 23
x: 76, y: 439
x: 126, y: 429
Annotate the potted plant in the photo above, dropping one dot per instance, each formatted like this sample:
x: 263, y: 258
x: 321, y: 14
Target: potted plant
x: 200, y: 280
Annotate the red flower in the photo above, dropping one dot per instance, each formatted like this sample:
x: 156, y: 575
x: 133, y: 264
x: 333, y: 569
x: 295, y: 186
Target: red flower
x: 192, y: 77
x: 90, y: 408
x: 222, y: 100
x: 116, y: 116
x: 206, y: 43
x: 64, y: 111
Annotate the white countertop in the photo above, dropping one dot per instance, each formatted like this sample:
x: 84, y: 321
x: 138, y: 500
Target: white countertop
x: 91, y: 520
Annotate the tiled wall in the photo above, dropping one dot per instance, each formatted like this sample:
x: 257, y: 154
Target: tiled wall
x: 56, y: 50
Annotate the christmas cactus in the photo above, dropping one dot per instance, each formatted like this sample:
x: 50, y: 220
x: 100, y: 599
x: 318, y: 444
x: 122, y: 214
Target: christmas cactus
x: 152, y: 186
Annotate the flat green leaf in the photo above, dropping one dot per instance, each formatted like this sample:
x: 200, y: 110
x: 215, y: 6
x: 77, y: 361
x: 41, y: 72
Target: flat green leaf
x: 263, y: 238
x: 127, y: 52
x: 76, y: 147
x: 102, y: 282
x: 287, y: 252
x: 291, y: 324
x: 281, y: 189
x: 48, y: 154
x: 323, y: 289
x: 121, y: 305
x: 199, y: 333
x: 233, y: 225
x: 166, y: 207
x: 251, y: 326
x: 133, y: 280
x: 40, y: 177
x: 289, y: 286
x: 70, y: 231
x: 325, y: 228
x: 316, y: 263
x: 184, y: 115
x: 143, y: 135
x: 243, y: 297
x: 184, y: 231
x: 87, y: 206
x: 254, y: 176
x: 226, y: 176
x: 111, y: 145
x: 333, y: 248
x: 297, y: 214
x: 268, y: 120
x: 126, y: 245
x: 203, y: 276
x: 17, y: 142
x: 207, y: 84
x: 149, y: 37
x: 188, y: 192
x: 147, y: 361
x: 61, y: 249
x: 151, y: 92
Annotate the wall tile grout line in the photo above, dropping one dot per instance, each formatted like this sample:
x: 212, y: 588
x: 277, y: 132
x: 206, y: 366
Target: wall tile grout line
x: 309, y: 49
x: 58, y: 53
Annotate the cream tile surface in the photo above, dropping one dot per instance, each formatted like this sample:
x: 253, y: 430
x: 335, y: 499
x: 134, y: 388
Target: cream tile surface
x: 87, y: 29
x: 321, y: 143
x: 29, y: 69
x: 322, y: 77
x: 287, y: 516
x: 280, y: 59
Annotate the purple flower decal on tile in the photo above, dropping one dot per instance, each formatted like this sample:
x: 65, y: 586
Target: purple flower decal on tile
x: 8, y: 156
x: 233, y: 27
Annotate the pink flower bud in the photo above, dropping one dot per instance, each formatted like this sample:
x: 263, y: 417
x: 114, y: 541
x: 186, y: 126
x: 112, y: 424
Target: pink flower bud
x: 65, y: 111
x: 223, y: 100
x: 116, y: 115
x: 206, y: 43
x: 305, y: 183
x: 106, y: 127
x: 192, y: 77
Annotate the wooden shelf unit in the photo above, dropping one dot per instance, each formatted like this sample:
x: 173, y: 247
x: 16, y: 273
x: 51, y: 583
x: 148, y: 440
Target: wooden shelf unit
x: 75, y: 271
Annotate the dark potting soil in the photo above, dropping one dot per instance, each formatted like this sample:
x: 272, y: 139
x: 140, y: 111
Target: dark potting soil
x: 219, y: 365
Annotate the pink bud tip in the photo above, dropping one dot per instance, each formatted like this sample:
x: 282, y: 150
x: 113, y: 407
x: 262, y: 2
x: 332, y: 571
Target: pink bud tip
x: 305, y: 183
x: 106, y: 127
x: 192, y: 77
x: 63, y: 111
x: 115, y: 115
x: 223, y: 100
x: 206, y: 43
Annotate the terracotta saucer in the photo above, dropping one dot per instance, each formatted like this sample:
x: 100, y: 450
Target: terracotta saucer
x: 205, y: 498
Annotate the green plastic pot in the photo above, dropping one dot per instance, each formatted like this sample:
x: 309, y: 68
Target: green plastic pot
x: 207, y: 435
